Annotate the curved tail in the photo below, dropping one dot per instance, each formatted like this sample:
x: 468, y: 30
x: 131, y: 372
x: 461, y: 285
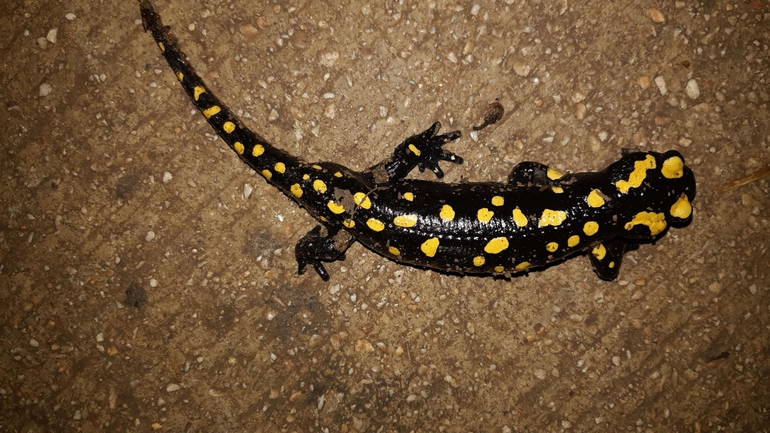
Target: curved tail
x: 252, y: 148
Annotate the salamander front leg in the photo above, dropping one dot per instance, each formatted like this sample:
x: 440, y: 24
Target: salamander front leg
x: 319, y: 245
x: 607, y: 256
x: 423, y: 150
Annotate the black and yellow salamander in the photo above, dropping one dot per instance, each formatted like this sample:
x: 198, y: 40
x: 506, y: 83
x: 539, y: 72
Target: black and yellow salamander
x: 538, y: 217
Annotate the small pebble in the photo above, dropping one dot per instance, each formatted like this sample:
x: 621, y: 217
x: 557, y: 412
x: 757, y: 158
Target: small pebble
x: 247, y: 190
x: 150, y: 236
x: 173, y: 387
x: 42, y: 42
x: 34, y: 343
x: 70, y: 16
x: 45, y: 89
x: 657, y: 16
x: 51, y: 36
x: 522, y: 69
x: 692, y: 89
x: 167, y: 177
x: 661, y: 83
x: 540, y: 374
x: 644, y: 82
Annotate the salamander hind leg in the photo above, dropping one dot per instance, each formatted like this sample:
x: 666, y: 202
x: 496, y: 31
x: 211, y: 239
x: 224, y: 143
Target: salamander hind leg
x: 423, y: 150
x: 530, y: 173
x: 318, y: 245
x: 607, y: 256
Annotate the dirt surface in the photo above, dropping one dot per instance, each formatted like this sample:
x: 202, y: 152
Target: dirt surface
x: 142, y: 290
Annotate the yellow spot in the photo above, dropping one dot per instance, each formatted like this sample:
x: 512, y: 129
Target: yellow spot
x: 595, y: 199
x: 211, y: 111
x: 323, y: 219
x: 198, y: 91
x: 162, y: 47
x: 238, y: 146
x: 484, y: 215
x: 394, y: 251
x: 672, y: 168
x: 337, y: 174
x: 267, y: 174
x: 611, y: 265
x: 682, y: 209
x: 496, y: 245
x: 429, y: 247
x: 414, y: 149
x: 637, y: 176
x: 552, y: 217
x: 349, y: 223
x: 499, y: 269
x: 305, y: 177
x: 280, y: 167
x: 375, y: 225
x: 408, y: 196
x: 522, y: 266
x: 296, y: 190
x: 497, y: 201
x: 552, y: 247
x: 317, y: 167
x: 405, y: 220
x: 573, y: 240
x: 228, y: 127
x: 257, y: 150
x: 553, y: 174
x: 599, y: 252
x: 447, y: 213
x: 590, y: 228
x: 319, y: 186
x: 557, y: 189
x: 362, y: 200
x: 180, y: 77
x: 478, y: 261
x: 655, y: 221
x: 519, y: 218
x: 334, y: 207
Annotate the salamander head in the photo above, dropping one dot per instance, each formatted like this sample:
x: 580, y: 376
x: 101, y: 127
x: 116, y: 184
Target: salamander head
x: 656, y: 190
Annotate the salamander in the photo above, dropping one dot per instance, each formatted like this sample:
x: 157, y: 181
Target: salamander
x: 537, y: 218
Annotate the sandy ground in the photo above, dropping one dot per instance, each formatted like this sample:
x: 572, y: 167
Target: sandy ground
x: 111, y: 183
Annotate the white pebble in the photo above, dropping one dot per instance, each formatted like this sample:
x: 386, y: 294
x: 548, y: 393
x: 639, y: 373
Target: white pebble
x: 150, y: 236
x: 51, y: 36
x: 540, y: 374
x: 34, y: 343
x: 247, y: 190
x: 616, y: 360
x: 173, y: 387
x: 692, y: 89
x: 45, y: 89
x: 70, y: 16
x: 167, y: 177
x: 475, y: 9
x: 661, y: 83
x: 99, y: 337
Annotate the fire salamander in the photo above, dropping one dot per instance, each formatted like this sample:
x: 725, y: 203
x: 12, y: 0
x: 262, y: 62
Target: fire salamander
x: 537, y: 218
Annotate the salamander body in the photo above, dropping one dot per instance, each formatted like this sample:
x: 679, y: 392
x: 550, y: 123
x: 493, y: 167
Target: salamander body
x: 537, y: 218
